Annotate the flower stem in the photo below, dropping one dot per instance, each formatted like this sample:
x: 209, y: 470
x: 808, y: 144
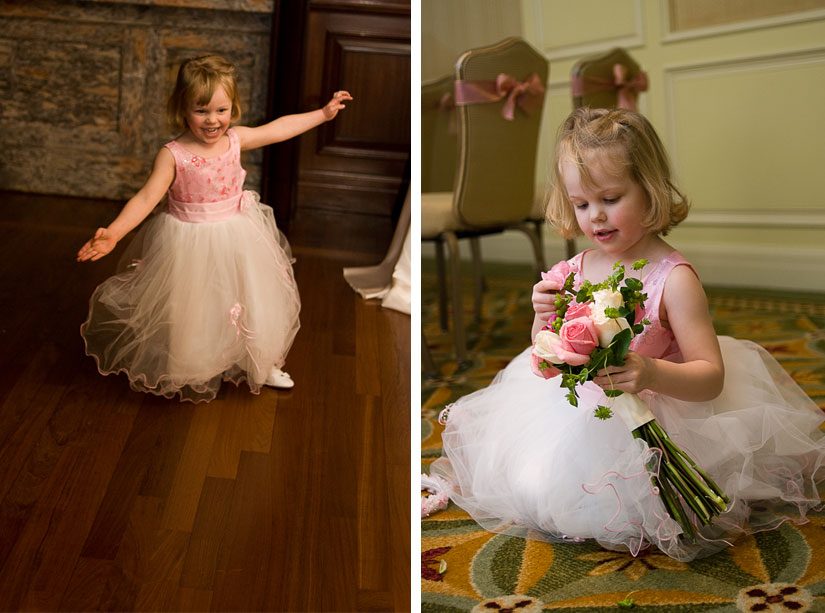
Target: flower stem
x: 709, y: 488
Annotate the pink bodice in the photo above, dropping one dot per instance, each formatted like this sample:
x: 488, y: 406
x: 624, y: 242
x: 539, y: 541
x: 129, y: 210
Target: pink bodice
x: 206, y: 189
x: 656, y: 341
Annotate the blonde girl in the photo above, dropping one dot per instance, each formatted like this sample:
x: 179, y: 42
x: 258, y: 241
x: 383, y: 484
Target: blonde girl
x: 522, y: 461
x: 205, y: 291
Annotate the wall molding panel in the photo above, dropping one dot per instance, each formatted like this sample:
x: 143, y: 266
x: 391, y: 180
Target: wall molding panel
x: 670, y: 36
x: 628, y: 40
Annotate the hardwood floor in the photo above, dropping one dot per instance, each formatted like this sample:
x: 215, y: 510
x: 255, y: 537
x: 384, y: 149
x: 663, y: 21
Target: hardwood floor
x: 121, y: 501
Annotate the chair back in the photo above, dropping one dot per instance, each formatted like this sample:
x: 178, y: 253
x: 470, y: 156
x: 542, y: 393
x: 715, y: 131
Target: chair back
x: 439, y: 135
x: 608, y: 80
x: 495, y: 178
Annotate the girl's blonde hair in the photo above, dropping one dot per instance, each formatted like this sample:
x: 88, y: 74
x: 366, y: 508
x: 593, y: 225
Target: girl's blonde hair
x: 628, y: 141
x: 198, y: 78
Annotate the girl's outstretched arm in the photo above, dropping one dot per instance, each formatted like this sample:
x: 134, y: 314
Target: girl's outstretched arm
x: 288, y: 126
x: 701, y: 376
x: 135, y: 210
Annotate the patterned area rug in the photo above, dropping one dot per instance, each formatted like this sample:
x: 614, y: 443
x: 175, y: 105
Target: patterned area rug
x: 782, y: 570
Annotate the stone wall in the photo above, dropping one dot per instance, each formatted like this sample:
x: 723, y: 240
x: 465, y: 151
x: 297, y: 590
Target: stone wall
x: 84, y: 86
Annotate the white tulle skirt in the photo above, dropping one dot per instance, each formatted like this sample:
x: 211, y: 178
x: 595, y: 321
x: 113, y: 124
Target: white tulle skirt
x: 523, y: 461
x: 195, y: 304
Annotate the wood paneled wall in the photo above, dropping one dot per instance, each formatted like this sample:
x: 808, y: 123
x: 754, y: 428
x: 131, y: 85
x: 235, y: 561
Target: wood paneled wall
x: 84, y: 86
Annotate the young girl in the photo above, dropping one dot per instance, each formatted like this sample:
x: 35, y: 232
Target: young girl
x: 522, y: 461
x: 206, y: 291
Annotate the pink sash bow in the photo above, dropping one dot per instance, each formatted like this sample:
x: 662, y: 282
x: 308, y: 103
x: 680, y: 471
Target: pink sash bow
x: 529, y: 94
x: 627, y: 90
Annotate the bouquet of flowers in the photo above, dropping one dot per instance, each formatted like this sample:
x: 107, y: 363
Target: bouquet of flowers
x: 592, y: 330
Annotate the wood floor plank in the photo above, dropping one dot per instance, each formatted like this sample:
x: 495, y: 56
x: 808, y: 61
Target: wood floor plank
x: 373, y: 524
x: 367, y: 350
x: 182, y: 503
x: 91, y: 580
x: 74, y: 493
x: 243, y: 561
x: 159, y: 586
x: 165, y: 456
x: 113, y: 515
x: 208, y: 534
x: 191, y: 600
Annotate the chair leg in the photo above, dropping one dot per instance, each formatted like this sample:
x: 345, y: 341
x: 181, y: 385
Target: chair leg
x: 533, y: 234
x: 427, y: 365
x: 478, y: 277
x: 459, y: 334
x: 441, y: 273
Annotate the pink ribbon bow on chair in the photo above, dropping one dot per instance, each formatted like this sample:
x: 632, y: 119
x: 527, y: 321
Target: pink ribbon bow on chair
x: 528, y: 94
x: 626, y: 90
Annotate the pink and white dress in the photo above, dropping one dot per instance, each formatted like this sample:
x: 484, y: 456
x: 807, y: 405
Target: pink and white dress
x: 522, y: 461
x: 205, y: 292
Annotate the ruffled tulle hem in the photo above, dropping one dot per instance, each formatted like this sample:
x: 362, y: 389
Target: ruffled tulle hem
x: 197, y: 304
x: 190, y: 391
x: 521, y: 461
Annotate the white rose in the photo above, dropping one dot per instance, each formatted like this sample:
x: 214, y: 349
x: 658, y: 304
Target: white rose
x: 543, y: 347
x: 604, y: 298
x: 607, y: 327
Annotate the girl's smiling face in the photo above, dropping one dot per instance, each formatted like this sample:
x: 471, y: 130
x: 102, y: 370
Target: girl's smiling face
x: 610, y: 207
x: 209, y: 122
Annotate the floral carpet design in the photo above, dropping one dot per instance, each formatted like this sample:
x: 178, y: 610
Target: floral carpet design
x: 781, y: 570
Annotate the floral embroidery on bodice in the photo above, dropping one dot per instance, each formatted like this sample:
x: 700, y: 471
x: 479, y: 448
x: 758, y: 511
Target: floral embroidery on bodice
x: 202, y: 180
x: 656, y: 341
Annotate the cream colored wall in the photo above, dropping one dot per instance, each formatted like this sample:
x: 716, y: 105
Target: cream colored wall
x: 740, y: 108
x: 451, y: 27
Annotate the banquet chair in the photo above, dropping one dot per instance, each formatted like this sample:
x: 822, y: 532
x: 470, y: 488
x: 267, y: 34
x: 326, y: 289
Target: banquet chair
x: 608, y: 80
x: 499, y: 94
x: 439, y: 152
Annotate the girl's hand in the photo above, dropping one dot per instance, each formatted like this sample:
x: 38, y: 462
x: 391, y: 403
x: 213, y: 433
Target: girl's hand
x: 544, y: 300
x: 336, y: 104
x: 636, y: 374
x: 99, y: 245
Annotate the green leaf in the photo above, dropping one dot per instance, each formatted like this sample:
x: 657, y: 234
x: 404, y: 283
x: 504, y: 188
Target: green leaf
x: 602, y: 412
x: 613, y: 393
x: 639, y: 264
x: 619, y: 345
x: 627, y: 603
x: 633, y: 284
x: 612, y: 313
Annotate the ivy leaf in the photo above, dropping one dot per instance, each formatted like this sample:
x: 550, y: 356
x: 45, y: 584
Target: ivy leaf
x: 619, y: 346
x: 633, y: 284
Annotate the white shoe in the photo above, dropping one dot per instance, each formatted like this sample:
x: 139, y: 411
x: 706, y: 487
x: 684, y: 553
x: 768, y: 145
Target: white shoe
x: 278, y: 378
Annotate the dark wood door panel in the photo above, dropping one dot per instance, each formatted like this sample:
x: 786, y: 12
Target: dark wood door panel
x: 356, y: 164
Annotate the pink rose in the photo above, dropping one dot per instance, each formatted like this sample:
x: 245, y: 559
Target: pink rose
x: 580, y: 337
x: 576, y: 310
x: 562, y: 351
x: 547, y: 372
x: 558, y: 274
